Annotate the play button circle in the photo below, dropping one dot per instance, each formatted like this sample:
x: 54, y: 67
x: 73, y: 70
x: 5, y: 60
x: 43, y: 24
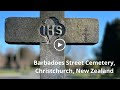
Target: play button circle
x: 59, y: 44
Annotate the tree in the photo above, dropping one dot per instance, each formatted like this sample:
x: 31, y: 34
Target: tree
x: 110, y: 49
x: 25, y: 57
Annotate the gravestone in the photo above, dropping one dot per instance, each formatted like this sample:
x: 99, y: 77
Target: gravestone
x: 27, y: 30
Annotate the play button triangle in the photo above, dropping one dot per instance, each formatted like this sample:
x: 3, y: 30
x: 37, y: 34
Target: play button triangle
x: 59, y: 44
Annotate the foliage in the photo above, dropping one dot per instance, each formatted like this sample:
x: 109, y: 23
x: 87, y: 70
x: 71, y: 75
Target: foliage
x: 110, y: 48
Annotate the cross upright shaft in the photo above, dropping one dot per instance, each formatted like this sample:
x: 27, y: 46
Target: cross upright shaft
x: 48, y: 53
x: 47, y: 14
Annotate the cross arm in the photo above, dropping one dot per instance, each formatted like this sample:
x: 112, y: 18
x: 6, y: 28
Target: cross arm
x: 22, y: 30
x: 81, y: 31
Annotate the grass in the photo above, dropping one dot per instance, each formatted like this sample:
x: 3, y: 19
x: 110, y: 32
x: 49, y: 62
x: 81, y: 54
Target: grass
x: 11, y: 72
x: 7, y: 72
x: 86, y: 76
x: 94, y: 76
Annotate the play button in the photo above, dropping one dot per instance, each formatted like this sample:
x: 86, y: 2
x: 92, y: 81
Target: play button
x: 59, y: 44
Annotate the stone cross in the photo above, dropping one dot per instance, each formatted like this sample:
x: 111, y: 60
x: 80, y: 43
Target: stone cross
x: 26, y: 30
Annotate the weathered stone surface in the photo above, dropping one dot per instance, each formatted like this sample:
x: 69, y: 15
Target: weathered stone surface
x: 25, y: 30
x: 81, y: 30
x: 57, y: 14
x: 22, y: 30
x: 48, y: 54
